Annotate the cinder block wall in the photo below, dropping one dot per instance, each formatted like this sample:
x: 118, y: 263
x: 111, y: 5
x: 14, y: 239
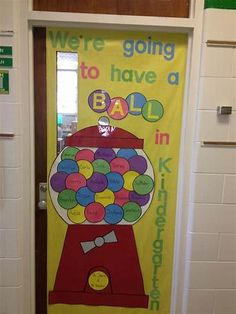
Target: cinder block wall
x: 212, y: 282
x: 14, y: 120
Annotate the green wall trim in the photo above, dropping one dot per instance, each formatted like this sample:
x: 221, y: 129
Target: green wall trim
x: 220, y: 4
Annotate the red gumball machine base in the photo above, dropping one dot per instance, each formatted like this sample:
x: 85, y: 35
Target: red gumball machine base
x: 99, y: 266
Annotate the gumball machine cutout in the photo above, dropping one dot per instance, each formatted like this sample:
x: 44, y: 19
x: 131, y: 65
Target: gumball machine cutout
x: 101, y: 184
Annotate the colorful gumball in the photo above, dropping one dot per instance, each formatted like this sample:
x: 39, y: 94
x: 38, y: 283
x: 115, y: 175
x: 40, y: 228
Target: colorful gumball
x: 76, y: 214
x: 139, y: 199
x: 120, y: 165
x: 85, y: 154
x: 122, y: 197
x: 105, y: 153
x: 101, y: 165
x: 132, y: 211
x: 95, y: 212
x: 69, y: 153
x: 115, y: 181
x: 85, y: 168
x: 68, y: 166
x: 67, y: 199
x: 105, y: 198
x: 84, y: 196
x: 138, y: 163
x: 97, y: 183
x: 129, y: 178
x: 58, y: 181
x: 75, y: 181
x: 143, y: 184
x: 126, y: 153
x: 113, y: 214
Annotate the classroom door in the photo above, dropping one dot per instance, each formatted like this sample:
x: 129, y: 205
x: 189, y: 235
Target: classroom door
x: 162, y: 8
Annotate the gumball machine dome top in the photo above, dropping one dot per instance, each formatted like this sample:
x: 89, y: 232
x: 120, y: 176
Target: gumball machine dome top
x: 104, y: 136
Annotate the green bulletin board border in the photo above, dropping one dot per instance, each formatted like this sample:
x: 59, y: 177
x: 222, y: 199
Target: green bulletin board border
x: 220, y: 4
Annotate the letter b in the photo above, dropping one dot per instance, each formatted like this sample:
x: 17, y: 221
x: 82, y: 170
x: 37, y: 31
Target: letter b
x: 99, y: 101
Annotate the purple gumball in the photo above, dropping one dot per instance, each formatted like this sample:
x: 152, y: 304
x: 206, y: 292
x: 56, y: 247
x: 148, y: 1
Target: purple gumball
x: 138, y: 163
x: 58, y: 181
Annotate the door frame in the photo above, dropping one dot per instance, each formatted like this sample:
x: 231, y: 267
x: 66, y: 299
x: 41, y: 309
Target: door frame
x: 191, y: 26
x: 40, y: 136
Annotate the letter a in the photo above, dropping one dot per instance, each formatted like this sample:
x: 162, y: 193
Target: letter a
x: 173, y: 78
x: 117, y: 108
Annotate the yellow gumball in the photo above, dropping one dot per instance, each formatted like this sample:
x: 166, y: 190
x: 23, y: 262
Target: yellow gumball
x: 85, y: 168
x: 129, y: 177
x: 76, y: 214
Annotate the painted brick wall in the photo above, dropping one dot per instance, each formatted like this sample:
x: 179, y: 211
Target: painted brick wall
x: 212, y: 281
x: 11, y: 173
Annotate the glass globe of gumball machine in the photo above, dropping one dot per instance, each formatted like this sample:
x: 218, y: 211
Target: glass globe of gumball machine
x: 101, y: 184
